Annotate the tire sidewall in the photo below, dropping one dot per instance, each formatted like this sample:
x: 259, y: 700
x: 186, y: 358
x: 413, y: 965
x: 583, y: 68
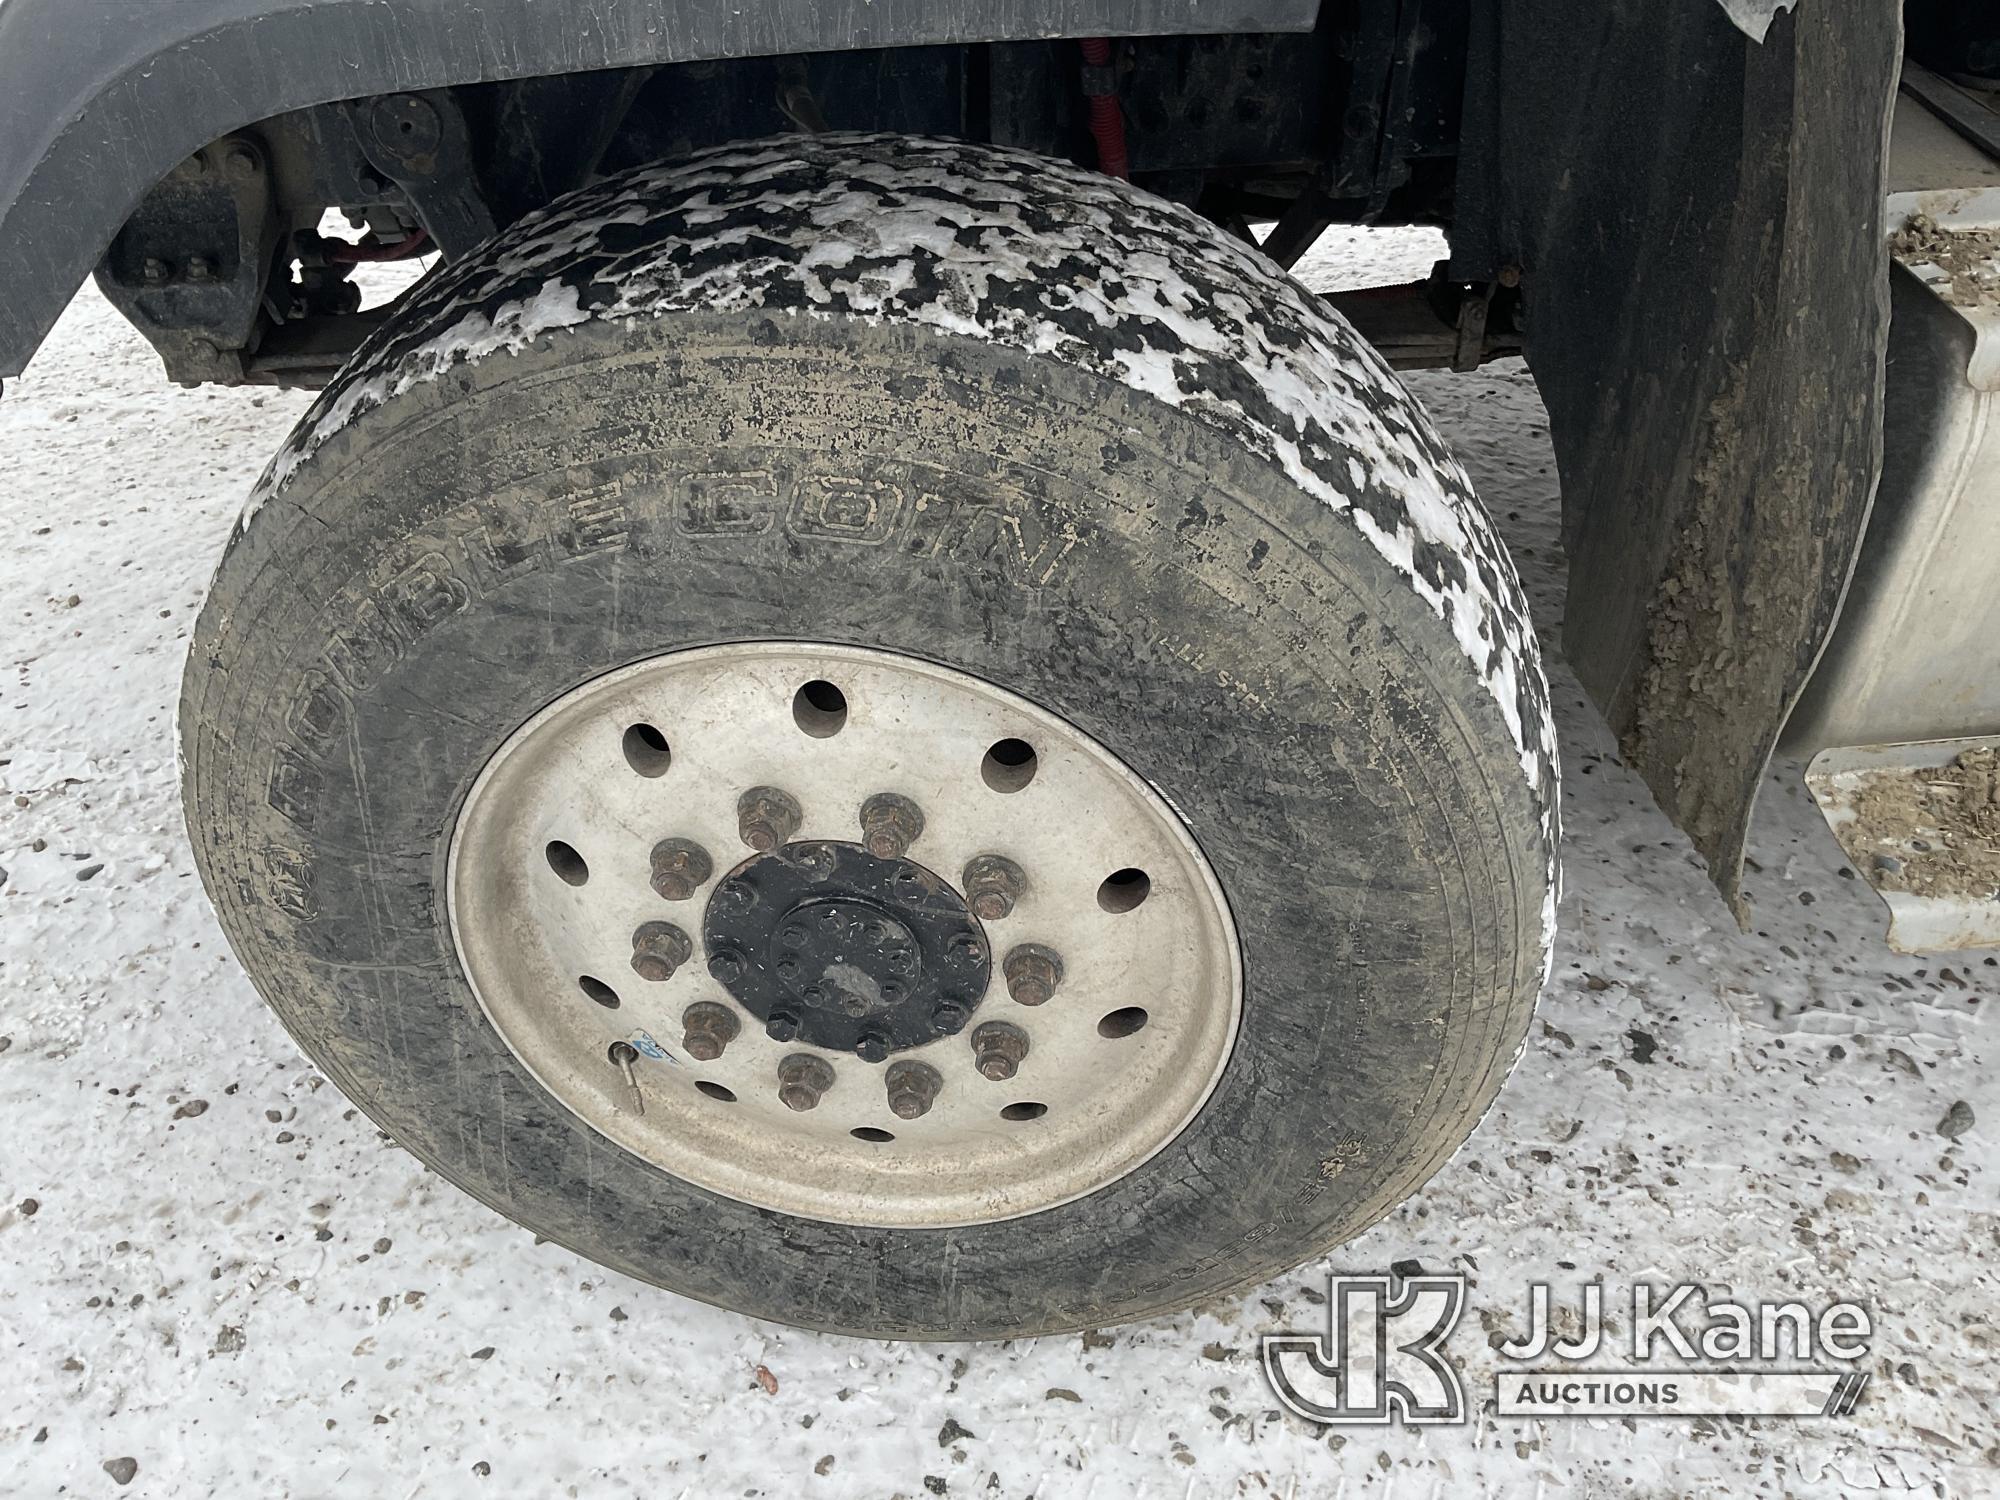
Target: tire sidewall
x: 456, y: 559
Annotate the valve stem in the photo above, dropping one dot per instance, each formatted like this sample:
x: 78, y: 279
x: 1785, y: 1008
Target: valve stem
x: 625, y: 1055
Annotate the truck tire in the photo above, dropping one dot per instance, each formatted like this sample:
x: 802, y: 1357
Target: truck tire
x: 888, y: 734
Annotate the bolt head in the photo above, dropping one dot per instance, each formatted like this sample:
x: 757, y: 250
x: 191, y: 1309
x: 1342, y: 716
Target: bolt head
x: 798, y: 1096
x: 759, y: 836
x: 948, y: 1018
x: 726, y: 965
x: 907, y: 1104
x: 652, y: 966
x: 1029, y: 989
x: 997, y: 1066
x: 673, y: 884
x: 702, y: 1046
x: 886, y: 843
x: 967, y: 948
x: 991, y: 906
x: 782, y: 1026
x: 871, y: 1048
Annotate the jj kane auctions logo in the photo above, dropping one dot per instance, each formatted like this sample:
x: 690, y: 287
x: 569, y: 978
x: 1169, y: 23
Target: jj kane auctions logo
x: 1383, y: 1356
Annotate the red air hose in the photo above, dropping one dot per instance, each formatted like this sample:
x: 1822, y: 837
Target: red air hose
x: 342, y: 254
x: 1107, y: 123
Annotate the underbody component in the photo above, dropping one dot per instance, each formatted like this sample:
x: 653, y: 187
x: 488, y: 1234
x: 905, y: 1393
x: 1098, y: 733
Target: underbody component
x: 1710, y: 349
x: 200, y: 310
x: 419, y: 141
x: 1902, y: 710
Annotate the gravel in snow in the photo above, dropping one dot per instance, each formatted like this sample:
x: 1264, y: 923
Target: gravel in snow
x: 262, y: 1296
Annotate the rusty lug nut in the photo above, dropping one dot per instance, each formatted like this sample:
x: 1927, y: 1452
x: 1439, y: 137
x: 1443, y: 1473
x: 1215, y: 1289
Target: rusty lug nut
x: 781, y: 1026
x: 913, y: 1089
x: 802, y: 1079
x: 997, y: 1050
x: 680, y: 868
x: 890, y: 824
x: 871, y: 1047
x: 659, y: 948
x: 706, y: 1029
x: 992, y: 886
x: 1033, y: 972
x: 767, y: 817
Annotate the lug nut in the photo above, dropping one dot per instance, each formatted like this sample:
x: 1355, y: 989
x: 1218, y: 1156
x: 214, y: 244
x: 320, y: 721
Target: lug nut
x: 725, y: 965
x: 948, y: 1017
x: 802, y: 1079
x: 890, y: 824
x: 782, y: 1026
x: 153, y: 271
x: 766, y: 818
x: 659, y: 948
x: 1033, y: 972
x: 992, y: 885
x: 871, y: 1047
x: 200, y: 268
x: 997, y: 1050
x: 680, y: 868
x: 706, y: 1029
x: 913, y: 1089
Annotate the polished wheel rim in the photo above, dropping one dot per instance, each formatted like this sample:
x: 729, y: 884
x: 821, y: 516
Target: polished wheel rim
x: 844, y: 934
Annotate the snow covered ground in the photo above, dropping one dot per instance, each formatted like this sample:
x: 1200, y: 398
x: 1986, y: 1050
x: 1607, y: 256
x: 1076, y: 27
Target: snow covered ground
x: 215, y: 1270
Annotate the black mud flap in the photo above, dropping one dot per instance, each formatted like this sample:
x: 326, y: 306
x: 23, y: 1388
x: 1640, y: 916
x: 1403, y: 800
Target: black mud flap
x: 1698, y: 219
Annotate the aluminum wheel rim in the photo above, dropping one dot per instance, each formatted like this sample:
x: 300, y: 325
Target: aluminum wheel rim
x: 551, y: 880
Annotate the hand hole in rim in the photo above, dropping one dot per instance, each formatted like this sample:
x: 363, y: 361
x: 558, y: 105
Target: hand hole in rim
x: 871, y: 1134
x: 1009, y: 765
x: 1123, y: 890
x: 1123, y: 1021
x: 820, y: 709
x: 1027, y: 1110
x: 646, y: 750
x: 598, y: 990
x: 716, y: 1090
x: 566, y: 862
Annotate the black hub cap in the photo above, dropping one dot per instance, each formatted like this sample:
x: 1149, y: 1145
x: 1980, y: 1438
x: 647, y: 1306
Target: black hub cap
x: 830, y: 946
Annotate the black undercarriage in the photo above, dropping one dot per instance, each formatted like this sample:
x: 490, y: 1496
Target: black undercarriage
x: 225, y: 267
